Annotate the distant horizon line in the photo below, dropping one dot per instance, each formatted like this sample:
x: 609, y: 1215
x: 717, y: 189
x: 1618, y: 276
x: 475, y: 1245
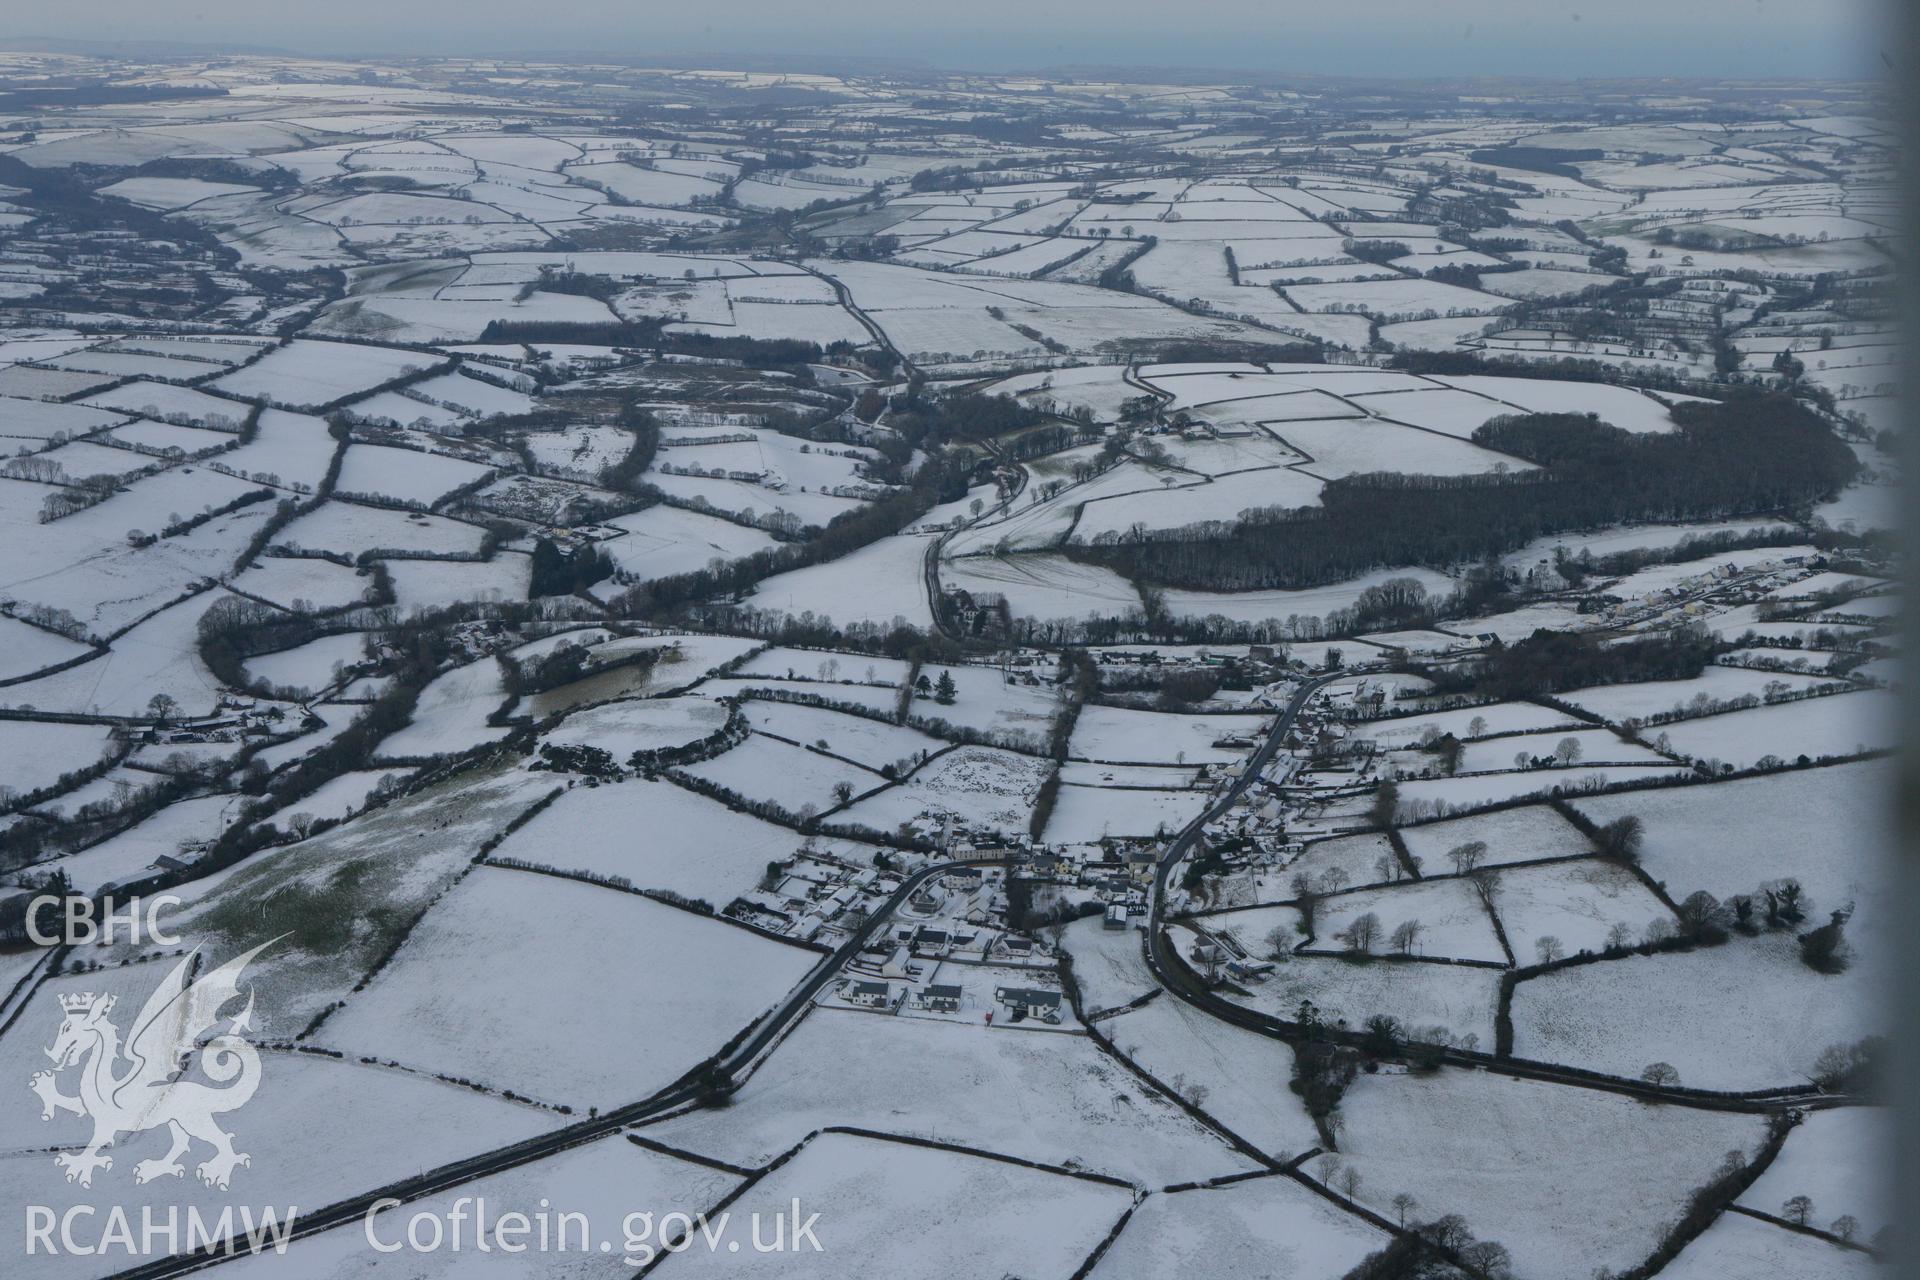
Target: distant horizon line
x: 871, y: 63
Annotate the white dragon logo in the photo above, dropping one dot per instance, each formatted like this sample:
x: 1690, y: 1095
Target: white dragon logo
x: 151, y: 1092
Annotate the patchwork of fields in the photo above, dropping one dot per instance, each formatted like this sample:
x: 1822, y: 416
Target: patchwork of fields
x: 1075, y: 673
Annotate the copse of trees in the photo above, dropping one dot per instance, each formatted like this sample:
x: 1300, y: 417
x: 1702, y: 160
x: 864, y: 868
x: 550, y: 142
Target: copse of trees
x: 558, y: 573
x: 1322, y: 1067
x: 1374, y: 251
x: 1752, y: 455
x: 786, y: 355
x: 978, y: 417
x: 1554, y: 160
x: 1824, y: 950
x: 626, y: 474
x: 642, y: 332
x: 1547, y: 662
x: 580, y: 284
x: 235, y: 628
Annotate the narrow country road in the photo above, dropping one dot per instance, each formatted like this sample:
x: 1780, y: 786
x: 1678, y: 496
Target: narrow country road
x: 1178, y: 977
x: 692, y: 1088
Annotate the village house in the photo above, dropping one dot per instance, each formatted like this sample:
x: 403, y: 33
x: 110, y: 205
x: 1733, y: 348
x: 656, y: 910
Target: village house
x: 1030, y: 1002
x: 889, y: 960
x: 1014, y: 947
x: 869, y: 995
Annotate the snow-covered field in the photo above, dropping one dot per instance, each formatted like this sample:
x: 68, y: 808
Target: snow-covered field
x: 781, y: 662
x: 309, y: 666
x: 1044, y: 586
x: 1084, y: 812
x: 986, y: 700
x: 306, y: 374
x: 877, y: 584
x: 691, y: 845
x: 303, y: 583
x: 1473, y: 1143
x: 869, y: 742
x: 1838, y: 1159
x: 1842, y: 725
x: 1116, y: 735
x: 38, y: 753
x: 1452, y: 923
x: 603, y: 1180
x: 1715, y: 684
x: 1466, y: 723
x: 1108, y: 965
x: 793, y: 778
x: 1229, y: 1070
x: 1737, y: 1247
x: 1577, y: 904
x: 1829, y: 828
x: 652, y: 724
x: 404, y: 475
x: 1050, y: 1098
x: 1446, y: 795
x: 1263, y: 1227
x: 1458, y: 998
x: 1592, y: 745
x: 301, y: 1155
x: 156, y: 656
x: 1744, y: 1015
x: 349, y: 529
x: 451, y: 714
x: 340, y: 397
x: 662, y: 541
x: 131, y: 855
x: 982, y: 786
x: 651, y: 967
x: 1045, y: 1224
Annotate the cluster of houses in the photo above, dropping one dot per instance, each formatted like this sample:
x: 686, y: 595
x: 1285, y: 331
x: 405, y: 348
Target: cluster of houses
x: 813, y: 895
x: 1117, y: 874
x: 1219, y: 959
x: 1699, y: 594
x: 1712, y: 589
x: 1016, y: 1003
x: 1250, y: 665
x: 233, y: 720
x: 1188, y: 427
x: 948, y: 949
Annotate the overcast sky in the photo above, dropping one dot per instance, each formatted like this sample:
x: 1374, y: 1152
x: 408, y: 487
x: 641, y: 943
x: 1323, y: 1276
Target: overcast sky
x: 1559, y: 38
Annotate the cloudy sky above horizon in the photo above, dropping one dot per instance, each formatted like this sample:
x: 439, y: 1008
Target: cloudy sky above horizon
x: 1388, y: 38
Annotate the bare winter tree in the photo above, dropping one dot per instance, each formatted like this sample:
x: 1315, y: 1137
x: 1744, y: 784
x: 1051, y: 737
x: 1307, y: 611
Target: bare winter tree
x: 1621, y: 838
x: 1361, y: 933
x: 1465, y: 857
x: 1486, y: 885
